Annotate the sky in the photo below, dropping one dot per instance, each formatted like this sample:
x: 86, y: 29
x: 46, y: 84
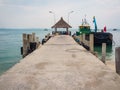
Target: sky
x: 35, y: 13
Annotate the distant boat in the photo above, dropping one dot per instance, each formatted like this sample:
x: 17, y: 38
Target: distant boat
x: 114, y: 29
x: 45, y: 29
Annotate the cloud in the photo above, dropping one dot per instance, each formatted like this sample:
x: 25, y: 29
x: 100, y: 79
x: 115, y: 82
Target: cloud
x: 35, y: 13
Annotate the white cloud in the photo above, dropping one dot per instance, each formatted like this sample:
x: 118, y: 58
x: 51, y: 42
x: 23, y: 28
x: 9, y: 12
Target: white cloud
x: 35, y: 13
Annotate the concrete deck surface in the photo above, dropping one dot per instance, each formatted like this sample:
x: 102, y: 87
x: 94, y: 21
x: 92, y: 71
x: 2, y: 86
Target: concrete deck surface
x: 60, y: 64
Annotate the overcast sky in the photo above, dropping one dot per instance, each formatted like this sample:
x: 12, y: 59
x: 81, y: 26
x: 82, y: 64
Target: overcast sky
x: 35, y: 13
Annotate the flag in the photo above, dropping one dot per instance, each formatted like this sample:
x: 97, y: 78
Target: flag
x: 104, y: 29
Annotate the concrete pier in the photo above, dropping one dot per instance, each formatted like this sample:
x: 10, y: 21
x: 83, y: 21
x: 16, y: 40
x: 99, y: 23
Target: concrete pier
x: 60, y: 64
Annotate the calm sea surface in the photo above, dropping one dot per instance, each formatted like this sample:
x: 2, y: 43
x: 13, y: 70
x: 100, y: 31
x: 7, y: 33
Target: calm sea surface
x: 11, y: 41
x: 110, y: 51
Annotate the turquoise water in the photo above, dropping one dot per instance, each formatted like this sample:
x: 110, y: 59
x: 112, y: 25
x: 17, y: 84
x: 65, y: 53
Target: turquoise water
x: 11, y: 41
x: 110, y: 51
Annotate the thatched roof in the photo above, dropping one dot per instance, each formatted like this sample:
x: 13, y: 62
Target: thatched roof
x: 61, y: 24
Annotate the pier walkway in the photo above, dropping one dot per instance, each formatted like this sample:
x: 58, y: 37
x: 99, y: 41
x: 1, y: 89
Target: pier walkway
x: 60, y: 64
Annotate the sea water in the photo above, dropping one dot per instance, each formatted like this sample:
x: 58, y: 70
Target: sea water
x: 10, y: 44
x: 11, y: 41
x: 110, y: 50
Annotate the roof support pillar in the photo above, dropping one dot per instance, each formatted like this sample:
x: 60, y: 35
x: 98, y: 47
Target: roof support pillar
x: 67, y: 31
x: 55, y: 30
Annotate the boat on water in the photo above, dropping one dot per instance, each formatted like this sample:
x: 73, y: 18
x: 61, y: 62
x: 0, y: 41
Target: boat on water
x: 114, y: 29
x: 45, y: 29
x: 99, y: 37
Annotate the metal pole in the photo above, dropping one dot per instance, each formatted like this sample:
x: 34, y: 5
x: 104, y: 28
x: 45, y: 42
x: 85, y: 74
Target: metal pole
x: 69, y: 15
x: 53, y: 16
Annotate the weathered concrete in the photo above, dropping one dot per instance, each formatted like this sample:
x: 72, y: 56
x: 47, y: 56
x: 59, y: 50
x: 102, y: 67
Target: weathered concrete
x: 60, y: 64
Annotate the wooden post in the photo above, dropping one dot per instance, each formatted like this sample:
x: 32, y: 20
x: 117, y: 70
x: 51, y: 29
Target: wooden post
x: 85, y: 42
x: 91, y: 43
x: 33, y: 35
x: 117, y: 59
x: 37, y: 41
x: 67, y: 31
x: 55, y: 30
x: 103, y: 52
x: 83, y: 38
x: 30, y: 43
x: 30, y: 38
x: 25, y: 45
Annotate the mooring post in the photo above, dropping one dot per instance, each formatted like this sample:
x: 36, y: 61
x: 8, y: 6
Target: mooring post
x: 30, y: 43
x: 33, y: 35
x: 83, y: 38
x: 25, y: 44
x: 37, y: 41
x: 117, y: 59
x: 91, y: 43
x: 30, y: 38
x: 103, y: 52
